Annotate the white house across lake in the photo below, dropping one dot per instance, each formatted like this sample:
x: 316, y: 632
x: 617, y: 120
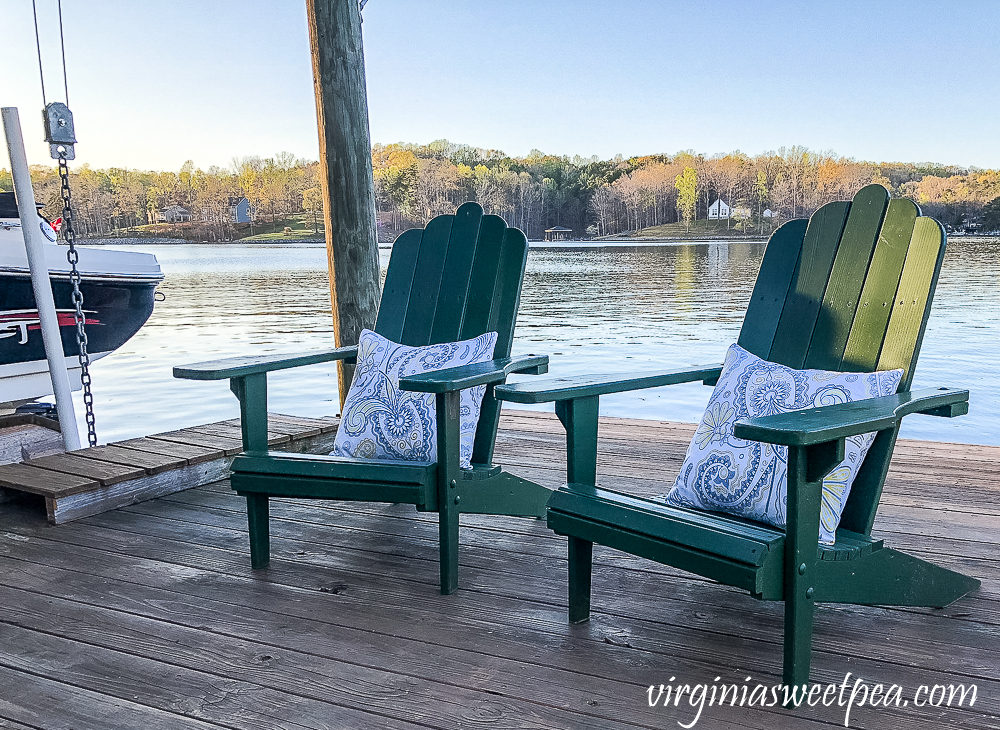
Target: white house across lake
x: 720, y: 210
x: 173, y: 214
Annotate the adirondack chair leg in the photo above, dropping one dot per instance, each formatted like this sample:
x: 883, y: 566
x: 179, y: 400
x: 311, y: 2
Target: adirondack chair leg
x: 448, y: 413
x: 888, y: 577
x: 251, y: 390
x: 260, y: 540
x: 798, y: 639
x: 580, y: 564
x: 807, y: 465
x: 448, y: 538
x: 503, y: 494
x: 579, y: 417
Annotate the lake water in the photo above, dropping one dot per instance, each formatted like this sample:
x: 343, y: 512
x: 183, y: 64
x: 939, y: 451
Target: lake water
x: 592, y: 309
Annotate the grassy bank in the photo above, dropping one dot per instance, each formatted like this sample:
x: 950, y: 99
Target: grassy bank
x: 699, y: 229
x: 296, y: 227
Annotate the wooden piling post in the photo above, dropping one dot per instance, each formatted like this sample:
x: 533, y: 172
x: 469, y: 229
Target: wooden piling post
x: 345, y: 159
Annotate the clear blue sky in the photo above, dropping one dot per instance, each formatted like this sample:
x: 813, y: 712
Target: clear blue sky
x: 154, y: 84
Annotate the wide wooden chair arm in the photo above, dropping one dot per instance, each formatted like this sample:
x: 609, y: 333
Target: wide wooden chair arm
x: 587, y: 386
x: 577, y: 400
x: 812, y: 426
x: 447, y: 386
x: 248, y: 380
x: 469, y: 376
x: 237, y: 367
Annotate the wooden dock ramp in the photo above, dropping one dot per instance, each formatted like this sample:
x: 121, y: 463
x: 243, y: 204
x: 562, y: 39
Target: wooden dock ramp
x: 94, y: 480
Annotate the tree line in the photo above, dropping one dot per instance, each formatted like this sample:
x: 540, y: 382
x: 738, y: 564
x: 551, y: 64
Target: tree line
x: 119, y: 201
x: 414, y: 183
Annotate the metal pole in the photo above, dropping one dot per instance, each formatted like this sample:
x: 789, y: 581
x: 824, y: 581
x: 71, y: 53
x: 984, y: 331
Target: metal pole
x: 40, y: 282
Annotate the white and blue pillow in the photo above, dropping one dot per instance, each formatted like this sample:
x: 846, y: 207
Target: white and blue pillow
x: 723, y: 473
x: 380, y: 421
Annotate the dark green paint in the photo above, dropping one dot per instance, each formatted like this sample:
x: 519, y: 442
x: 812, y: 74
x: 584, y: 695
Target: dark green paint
x: 801, y: 309
x: 771, y: 288
x: 580, y: 556
x: 826, y: 423
x: 513, y: 257
x: 876, y: 581
x: 496, y: 492
x: 864, y: 342
x: 458, y: 278
x: 469, y: 376
x: 257, y: 519
x: 840, y: 300
x: 851, y: 290
x: 484, y: 277
x: 397, y: 286
x: 427, y: 280
x: 585, y: 386
x: 235, y: 367
x: 449, y: 309
x: 904, y: 334
x: 579, y: 417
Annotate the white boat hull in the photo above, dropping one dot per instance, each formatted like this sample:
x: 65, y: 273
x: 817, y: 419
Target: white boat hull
x: 21, y: 382
x: 118, y: 290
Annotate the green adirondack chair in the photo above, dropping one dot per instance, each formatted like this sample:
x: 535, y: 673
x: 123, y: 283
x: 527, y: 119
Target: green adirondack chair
x: 454, y: 280
x: 849, y: 291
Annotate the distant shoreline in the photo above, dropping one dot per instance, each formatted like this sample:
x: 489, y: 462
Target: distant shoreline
x: 609, y: 241
x: 136, y: 241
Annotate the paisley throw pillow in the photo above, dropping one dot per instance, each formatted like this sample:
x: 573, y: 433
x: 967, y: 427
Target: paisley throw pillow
x: 725, y: 474
x: 380, y: 421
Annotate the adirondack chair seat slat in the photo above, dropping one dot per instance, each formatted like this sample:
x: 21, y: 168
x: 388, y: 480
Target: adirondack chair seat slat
x: 743, y: 541
x: 334, y: 477
x: 321, y: 465
x: 654, y: 547
x: 721, y: 547
x: 338, y: 477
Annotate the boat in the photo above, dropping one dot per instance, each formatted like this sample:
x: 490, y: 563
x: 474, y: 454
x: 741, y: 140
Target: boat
x: 118, y: 287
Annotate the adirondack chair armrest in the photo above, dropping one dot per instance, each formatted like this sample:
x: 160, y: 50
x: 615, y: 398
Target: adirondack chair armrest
x: 248, y: 380
x: 469, y: 376
x: 585, y: 386
x: 237, y: 367
x: 830, y: 423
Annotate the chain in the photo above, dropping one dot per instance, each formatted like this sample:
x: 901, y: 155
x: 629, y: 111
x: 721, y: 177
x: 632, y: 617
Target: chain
x: 73, y: 256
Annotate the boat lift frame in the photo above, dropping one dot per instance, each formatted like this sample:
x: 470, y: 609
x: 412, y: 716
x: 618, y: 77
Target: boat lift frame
x: 40, y: 281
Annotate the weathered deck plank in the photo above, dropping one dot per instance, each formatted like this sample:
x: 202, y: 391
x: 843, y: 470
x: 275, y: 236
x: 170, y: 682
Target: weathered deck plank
x: 190, y: 453
x: 149, y: 462
x: 39, y: 702
x: 150, y: 615
x: 90, y: 481
x: 106, y: 473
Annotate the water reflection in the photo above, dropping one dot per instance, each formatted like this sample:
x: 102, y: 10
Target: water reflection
x: 591, y: 309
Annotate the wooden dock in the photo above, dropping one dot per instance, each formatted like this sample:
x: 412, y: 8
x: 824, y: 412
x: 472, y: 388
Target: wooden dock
x: 94, y: 480
x: 150, y: 617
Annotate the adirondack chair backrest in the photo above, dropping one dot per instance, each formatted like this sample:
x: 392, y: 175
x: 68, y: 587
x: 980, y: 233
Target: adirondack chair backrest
x: 455, y: 279
x: 850, y: 289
